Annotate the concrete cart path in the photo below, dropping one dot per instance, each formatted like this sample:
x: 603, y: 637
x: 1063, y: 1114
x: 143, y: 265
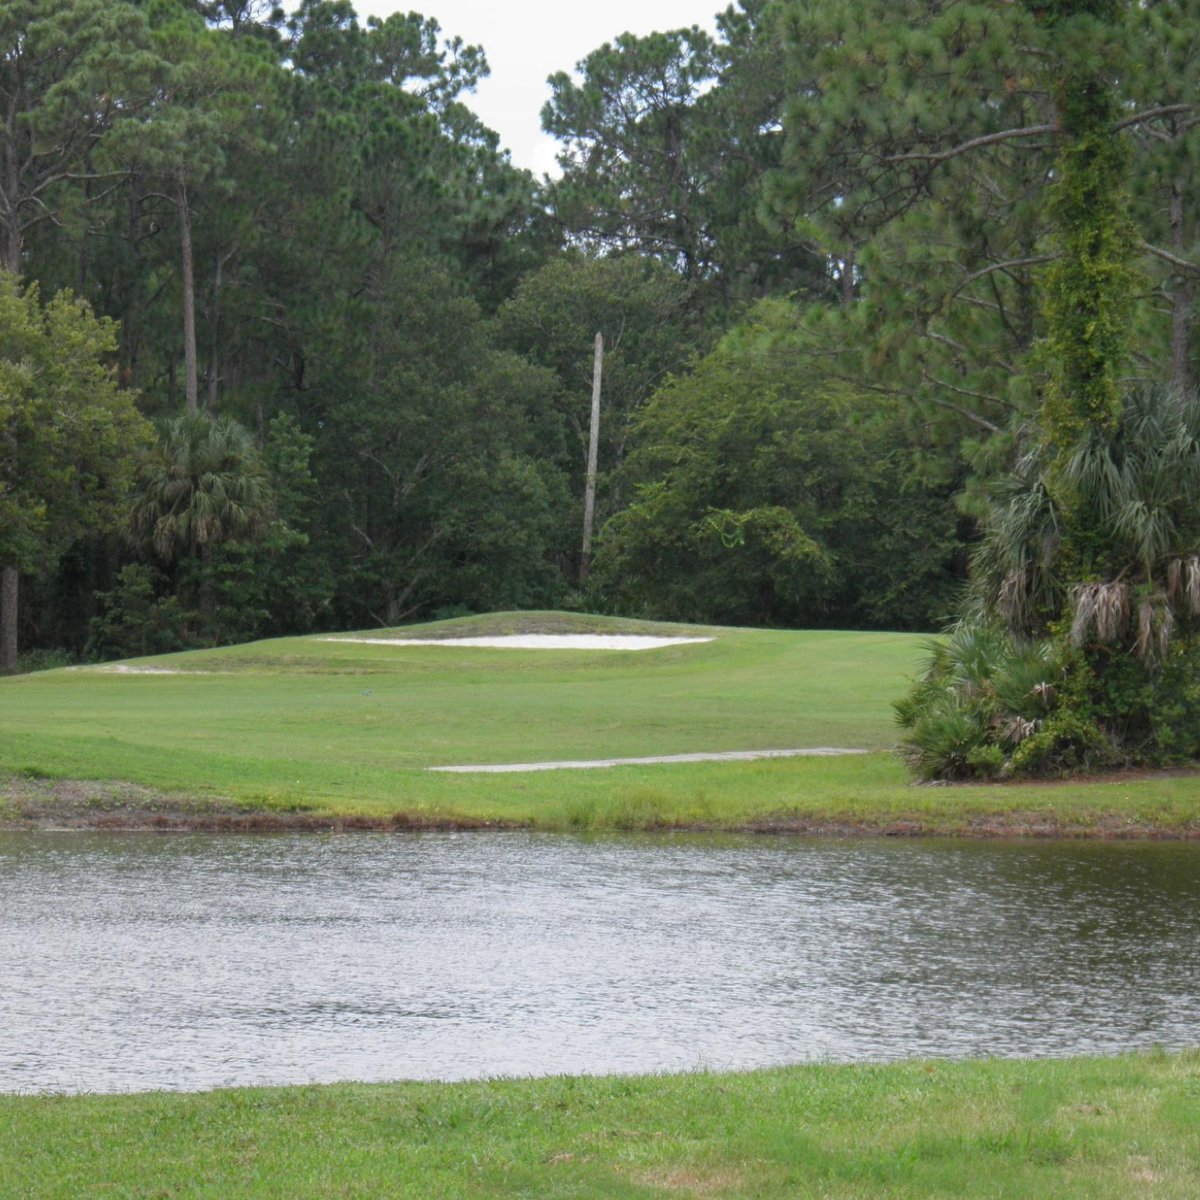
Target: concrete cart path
x: 721, y: 756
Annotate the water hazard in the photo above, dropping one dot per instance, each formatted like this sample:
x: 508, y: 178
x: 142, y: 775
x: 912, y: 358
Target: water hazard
x: 132, y: 962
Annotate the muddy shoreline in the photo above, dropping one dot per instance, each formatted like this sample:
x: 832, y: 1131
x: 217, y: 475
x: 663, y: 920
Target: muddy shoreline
x: 41, y: 804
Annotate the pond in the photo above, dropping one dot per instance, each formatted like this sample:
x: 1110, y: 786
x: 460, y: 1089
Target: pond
x: 134, y: 962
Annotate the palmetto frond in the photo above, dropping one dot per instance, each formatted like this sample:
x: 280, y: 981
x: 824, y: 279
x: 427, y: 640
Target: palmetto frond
x: 1015, y: 564
x: 201, y: 485
x: 1139, y: 489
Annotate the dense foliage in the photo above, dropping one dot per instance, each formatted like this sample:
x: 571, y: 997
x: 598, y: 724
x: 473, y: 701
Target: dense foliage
x: 763, y: 495
x: 1090, y: 561
x: 854, y: 262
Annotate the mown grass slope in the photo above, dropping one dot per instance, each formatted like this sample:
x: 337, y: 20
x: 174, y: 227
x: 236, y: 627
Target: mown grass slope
x: 328, y: 727
x: 309, y: 719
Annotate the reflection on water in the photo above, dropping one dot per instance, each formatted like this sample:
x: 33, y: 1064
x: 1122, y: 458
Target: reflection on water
x: 132, y: 962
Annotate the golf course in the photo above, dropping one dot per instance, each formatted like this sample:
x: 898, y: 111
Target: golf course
x: 845, y: 355
x: 346, y: 728
x: 348, y: 731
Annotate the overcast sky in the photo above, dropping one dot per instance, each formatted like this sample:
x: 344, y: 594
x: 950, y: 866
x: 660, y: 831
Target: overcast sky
x: 527, y: 40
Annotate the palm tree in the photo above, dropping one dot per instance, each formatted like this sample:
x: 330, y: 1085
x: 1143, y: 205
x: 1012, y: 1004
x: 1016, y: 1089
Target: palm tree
x: 1064, y: 658
x: 203, y: 484
x: 1141, y: 574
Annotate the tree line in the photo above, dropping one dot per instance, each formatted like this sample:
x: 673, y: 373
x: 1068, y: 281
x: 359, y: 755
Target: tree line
x: 346, y: 344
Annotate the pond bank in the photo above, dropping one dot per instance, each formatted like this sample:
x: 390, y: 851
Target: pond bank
x: 971, y: 811
x: 1104, y: 1129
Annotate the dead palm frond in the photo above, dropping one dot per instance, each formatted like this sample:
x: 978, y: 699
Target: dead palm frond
x: 1183, y: 584
x: 1155, y: 624
x: 1012, y: 599
x: 1015, y: 729
x: 1191, y: 586
x: 1099, y: 608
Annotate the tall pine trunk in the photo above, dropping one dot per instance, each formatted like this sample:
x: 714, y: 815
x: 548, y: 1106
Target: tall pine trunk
x: 213, y: 374
x: 187, y: 275
x: 1183, y: 296
x: 9, y: 574
x: 9, y: 580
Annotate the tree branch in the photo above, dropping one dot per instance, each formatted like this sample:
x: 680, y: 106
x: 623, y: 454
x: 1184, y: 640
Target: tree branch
x: 1009, y: 264
x: 958, y: 408
x: 370, y: 544
x: 986, y: 140
x: 1004, y: 135
x: 1188, y: 268
x: 959, y: 348
x: 1164, y: 110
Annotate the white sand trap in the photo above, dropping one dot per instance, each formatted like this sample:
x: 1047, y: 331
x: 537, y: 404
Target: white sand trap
x: 127, y: 669
x: 535, y: 641
x: 721, y: 756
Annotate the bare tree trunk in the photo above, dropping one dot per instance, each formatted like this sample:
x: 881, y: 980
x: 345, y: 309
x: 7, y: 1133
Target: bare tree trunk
x: 9, y: 580
x: 10, y: 218
x: 191, y: 379
x: 214, y: 344
x: 589, y: 493
x: 208, y: 604
x: 1182, y: 298
x: 130, y: 317
x: 847, y: 280
x: 9, y: 576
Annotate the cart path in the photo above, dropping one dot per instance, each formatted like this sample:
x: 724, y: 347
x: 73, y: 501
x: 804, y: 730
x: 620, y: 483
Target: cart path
x: 720, y: 756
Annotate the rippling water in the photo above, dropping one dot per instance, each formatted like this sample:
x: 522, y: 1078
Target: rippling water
x: 131, y: 962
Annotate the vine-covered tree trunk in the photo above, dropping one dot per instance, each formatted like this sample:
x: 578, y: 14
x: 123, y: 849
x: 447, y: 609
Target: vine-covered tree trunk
x: 1090, y: 288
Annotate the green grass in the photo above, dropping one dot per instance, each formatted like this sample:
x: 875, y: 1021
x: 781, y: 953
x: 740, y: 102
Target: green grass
x: 1082, y: 1129
x: 305, y: 725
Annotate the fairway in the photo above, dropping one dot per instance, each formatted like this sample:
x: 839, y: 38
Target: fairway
x: 313, y: 718
x: 348, y: 728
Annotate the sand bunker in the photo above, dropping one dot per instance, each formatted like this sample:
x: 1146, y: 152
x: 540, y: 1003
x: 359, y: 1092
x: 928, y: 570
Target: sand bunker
x: 126, y: 669
x: 535, y: 641
x: 719, y: 756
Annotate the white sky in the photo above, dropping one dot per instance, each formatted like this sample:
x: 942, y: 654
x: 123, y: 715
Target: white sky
x: 527, y: 40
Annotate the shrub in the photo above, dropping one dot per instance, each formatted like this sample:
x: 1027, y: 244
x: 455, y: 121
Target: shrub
x: 946, y: 734
x: 136, y: 619
x: 991, y: 704
x: 44, y: 660
x: 983, y: 695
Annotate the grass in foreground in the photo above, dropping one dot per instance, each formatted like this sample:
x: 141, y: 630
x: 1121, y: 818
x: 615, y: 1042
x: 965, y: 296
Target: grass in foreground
x: 1090, y: 1129
x: 303, y: 725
